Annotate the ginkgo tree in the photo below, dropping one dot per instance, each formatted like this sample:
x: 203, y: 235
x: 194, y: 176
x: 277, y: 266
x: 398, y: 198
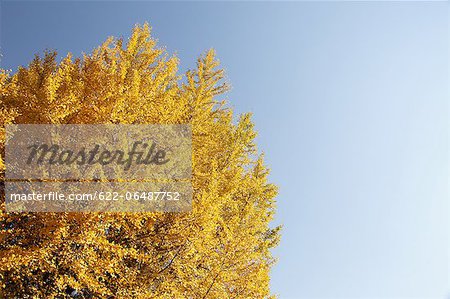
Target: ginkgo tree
x: 221, y: 249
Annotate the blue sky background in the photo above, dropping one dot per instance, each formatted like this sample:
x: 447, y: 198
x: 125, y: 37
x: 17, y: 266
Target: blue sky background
x: 351, y: 103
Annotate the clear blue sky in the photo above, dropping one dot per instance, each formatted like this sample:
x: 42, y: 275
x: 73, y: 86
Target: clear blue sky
x: 351, y: 104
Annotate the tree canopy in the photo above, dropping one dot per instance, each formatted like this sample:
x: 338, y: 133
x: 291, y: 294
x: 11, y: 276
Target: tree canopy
x: 219, y: 250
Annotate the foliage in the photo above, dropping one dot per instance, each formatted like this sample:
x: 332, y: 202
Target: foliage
x: 219, y: 250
